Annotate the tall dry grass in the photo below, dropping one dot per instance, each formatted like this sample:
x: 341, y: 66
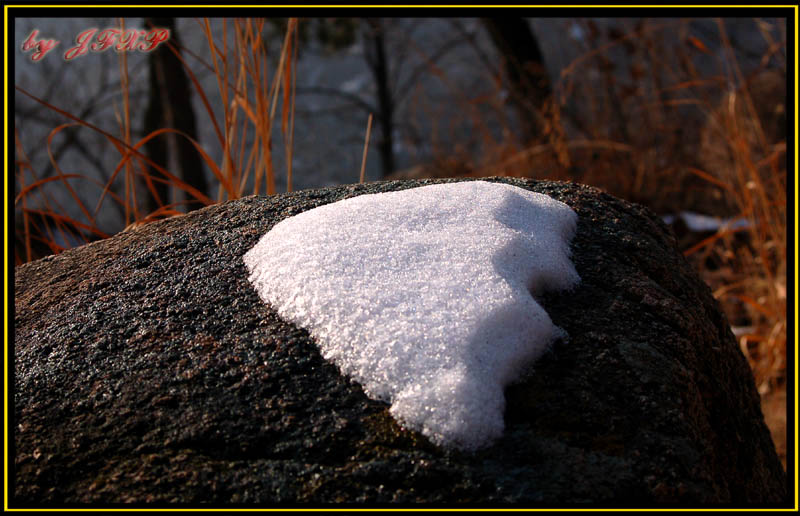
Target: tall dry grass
x: 677, y: 137
x: 250, y: 88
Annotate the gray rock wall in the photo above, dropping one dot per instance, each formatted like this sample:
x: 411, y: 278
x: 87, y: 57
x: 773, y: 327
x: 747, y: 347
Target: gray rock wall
x: 146, y: 369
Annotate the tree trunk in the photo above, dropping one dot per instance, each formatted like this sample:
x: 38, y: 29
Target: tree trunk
x: 529, y: 85
x: 170, y: 105
x: 375, y: 53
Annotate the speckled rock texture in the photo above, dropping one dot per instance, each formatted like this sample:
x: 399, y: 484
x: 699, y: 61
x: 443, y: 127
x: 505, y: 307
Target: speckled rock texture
x: 146, y: 369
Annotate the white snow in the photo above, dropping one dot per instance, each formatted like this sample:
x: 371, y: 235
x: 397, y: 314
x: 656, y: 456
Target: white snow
x: 699, y: 222
x: 425, y: 296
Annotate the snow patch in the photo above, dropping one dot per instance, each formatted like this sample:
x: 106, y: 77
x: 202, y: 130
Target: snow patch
x: 426, y: 296
x: 701, y: 223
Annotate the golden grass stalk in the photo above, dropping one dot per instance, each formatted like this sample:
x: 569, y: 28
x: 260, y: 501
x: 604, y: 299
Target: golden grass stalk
x: 244, y: 85
x: 366, y: 148
x: 246, y: 67
x: 125, y: 127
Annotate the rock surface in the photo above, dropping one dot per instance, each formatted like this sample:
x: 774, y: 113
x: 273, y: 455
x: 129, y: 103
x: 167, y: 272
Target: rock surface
x: 146, y: 369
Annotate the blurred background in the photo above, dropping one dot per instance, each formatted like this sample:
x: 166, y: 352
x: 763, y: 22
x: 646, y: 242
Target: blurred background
x: 686, y: 116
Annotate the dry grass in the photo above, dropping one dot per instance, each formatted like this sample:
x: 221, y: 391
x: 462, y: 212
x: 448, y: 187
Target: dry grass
x: 250, y: 98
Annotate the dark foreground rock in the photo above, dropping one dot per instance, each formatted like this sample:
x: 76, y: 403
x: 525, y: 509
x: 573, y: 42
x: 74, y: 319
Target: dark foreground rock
x: 148, y: 370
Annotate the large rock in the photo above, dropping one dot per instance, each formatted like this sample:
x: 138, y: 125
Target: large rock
x: 147, y: 369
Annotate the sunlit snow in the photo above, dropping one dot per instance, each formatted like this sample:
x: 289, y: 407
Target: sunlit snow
x: 425, y: 296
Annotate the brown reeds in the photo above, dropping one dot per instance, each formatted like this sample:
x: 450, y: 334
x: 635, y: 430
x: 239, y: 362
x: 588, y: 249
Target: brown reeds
x: 247, y: 83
